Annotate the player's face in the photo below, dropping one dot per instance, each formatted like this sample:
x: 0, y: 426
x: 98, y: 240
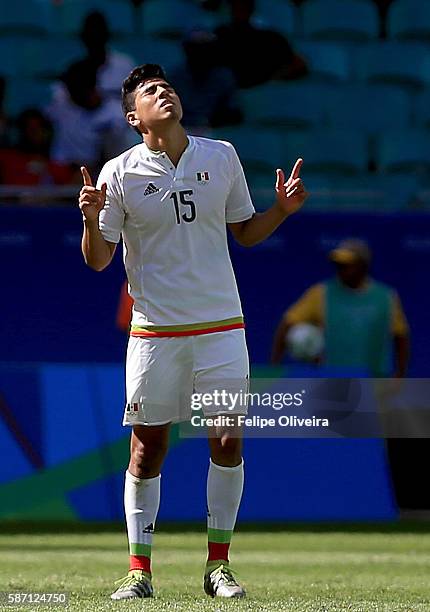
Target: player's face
x: 353, y: 274
x: 156, y: 102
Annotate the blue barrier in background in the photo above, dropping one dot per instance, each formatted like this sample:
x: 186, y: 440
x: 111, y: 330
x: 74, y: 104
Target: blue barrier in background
x: 56, y: 309
x: 73, y: 466
x: 62, y: 385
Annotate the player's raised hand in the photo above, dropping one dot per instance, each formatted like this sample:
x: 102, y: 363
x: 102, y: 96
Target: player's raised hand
x: 290, y: 194
x: 91, y: 200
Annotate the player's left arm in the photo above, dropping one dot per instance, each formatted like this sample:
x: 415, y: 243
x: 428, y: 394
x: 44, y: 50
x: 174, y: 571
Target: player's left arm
x: 290, y: 197
x: 400, y: 331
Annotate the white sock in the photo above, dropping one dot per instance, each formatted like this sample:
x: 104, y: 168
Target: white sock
x: 141, y: 502
x: 224, y: 492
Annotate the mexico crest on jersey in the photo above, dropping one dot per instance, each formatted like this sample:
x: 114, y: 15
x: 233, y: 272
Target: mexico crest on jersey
x: 203, y: 176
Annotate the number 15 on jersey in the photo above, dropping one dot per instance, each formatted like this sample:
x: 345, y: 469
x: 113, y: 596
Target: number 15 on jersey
x: 183, y: 200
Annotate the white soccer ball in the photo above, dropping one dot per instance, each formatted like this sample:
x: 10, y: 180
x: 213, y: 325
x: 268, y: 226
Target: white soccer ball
x: 305, y: 341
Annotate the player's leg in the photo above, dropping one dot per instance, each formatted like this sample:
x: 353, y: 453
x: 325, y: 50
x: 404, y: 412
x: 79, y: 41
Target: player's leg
x: 142, y: 491
x: 227, y: 369
x: 224, y: 493
x: 152, y: 404
x: 148, y: 448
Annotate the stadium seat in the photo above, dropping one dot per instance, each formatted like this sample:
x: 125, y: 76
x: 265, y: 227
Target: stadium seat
x: 404, y: 151
x: 364, y: 192
x: 319, y: 187
x: 172, y: 18
x: 393, y: 62
x: 409, y: 19
x: 25, y: 16
x: 34, y: 93
x: 376, y: 193
x: 370, y: 108
x: 357, y: 193
x: 421, y: 114
x: 168, y: 53
x: 261, y: 185
x: 340, y: 19
x: 279, y: 15
x: 57, y: 54
x: 323, y: 150
x: 34, y: 56
x: 284, y: 104
x: 400, y: 190
x: 326, y: 60
x: 259, y: 150
x: 69, y: 15
x: 20, y: 54
x: 339, y: 193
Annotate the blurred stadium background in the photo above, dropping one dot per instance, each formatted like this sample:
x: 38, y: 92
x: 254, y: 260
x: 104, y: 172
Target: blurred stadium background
x: 360, y: 118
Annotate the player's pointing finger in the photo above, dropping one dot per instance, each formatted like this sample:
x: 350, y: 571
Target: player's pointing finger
x: 86, y: 177
x: 280, y: 179
x: 296, y: 170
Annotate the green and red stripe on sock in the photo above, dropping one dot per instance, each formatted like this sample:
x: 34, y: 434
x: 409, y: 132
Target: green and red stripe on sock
x: 218, y: 544
x: 140, y: 557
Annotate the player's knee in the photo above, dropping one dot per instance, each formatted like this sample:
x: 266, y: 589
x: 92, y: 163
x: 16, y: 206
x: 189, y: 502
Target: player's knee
x: 227, y: 450
x: 147, y: 459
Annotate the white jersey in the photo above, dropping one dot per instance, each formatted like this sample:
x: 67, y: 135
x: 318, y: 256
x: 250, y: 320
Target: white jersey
x: 173, y: 224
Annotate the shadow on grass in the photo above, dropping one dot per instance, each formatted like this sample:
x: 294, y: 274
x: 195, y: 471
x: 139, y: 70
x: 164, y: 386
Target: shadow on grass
x: 72, y: 527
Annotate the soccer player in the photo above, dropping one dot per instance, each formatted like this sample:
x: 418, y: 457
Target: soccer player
x: 171, y: 198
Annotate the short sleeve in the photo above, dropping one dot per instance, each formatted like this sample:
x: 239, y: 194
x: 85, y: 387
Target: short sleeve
x: 239, y: 205
x: 399, y: 324
x: 111, y: 218
x: 308, y: 308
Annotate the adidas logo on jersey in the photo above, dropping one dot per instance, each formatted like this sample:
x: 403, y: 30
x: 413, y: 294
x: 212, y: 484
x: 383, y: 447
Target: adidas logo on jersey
x: 150, y: 188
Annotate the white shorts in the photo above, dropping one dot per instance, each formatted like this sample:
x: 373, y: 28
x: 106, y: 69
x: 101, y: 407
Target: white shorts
x: 163, y: 374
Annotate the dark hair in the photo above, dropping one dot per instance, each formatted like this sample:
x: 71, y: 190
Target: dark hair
x: 29, y: 140
x: 95, y: 24
x: 137, y: 76
x: 80, y: 79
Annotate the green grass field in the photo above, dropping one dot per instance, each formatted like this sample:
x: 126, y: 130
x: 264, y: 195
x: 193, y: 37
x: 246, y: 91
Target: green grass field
x: 296, y: 568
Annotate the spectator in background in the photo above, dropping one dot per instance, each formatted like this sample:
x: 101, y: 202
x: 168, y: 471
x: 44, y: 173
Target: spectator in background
x: 112, y: 66
x: 361, y: 317
x: 254, y: 54
x: 206, y: 89
x: 125, y: 309
x: 28, y: 163
x: 4, y: 120
x: 211, y: 5
x: 87, y: 128
x: 383, y: 6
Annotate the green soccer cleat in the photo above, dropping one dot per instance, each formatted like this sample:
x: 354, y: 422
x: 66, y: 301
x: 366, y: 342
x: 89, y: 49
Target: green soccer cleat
x: 136, y: 585
x: 220, y: 582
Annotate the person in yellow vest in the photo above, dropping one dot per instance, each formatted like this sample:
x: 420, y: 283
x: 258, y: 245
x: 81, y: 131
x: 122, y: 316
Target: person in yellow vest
x: 362, y: 319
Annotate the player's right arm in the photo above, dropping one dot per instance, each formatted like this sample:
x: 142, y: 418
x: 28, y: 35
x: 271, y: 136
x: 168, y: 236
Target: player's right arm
x: 97, y: 251
x: 279, y: 344
x: 308, y: 309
